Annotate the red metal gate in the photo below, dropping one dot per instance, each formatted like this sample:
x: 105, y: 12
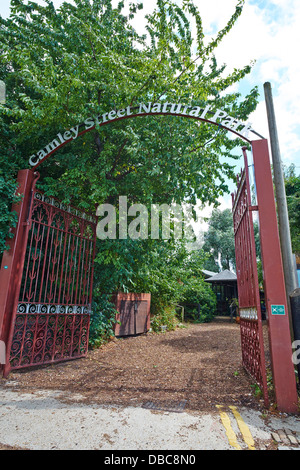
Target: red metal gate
x: 48, y: 318
x: 253, y: 356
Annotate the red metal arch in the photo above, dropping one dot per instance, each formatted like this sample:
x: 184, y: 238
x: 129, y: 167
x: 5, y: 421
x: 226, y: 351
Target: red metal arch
x: 209, y: 121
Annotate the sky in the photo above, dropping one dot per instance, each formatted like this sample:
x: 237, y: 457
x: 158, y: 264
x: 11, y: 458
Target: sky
x: 267, y: 32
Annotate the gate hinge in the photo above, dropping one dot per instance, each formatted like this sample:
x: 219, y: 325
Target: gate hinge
x: 253, y: 208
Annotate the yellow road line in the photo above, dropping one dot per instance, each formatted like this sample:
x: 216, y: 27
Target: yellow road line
x: 243, y: 428
x: 229, y: 431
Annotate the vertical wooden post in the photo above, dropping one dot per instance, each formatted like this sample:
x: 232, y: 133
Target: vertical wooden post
x: 12, y: 263
x: 274, y: 284
x: 283, y: 218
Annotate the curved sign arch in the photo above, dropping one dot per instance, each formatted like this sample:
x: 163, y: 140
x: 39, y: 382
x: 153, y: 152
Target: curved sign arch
x: 206, y: 113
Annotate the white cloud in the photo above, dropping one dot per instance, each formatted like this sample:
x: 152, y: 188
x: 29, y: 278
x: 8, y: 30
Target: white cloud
x: 268, y: 32
x: 215, y: 13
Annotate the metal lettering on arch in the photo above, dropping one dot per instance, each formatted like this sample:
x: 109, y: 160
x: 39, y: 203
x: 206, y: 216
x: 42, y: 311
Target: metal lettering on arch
x: 206, y: 113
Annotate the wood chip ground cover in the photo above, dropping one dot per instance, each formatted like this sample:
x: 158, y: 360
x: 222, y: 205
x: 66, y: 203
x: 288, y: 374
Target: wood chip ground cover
x: 200, y: 364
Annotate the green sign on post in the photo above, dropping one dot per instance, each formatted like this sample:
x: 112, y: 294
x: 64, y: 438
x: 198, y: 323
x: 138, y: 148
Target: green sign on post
x: 277, y: 310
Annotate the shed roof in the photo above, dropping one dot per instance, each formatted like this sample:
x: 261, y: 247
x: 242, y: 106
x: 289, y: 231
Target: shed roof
x: 222, y: 276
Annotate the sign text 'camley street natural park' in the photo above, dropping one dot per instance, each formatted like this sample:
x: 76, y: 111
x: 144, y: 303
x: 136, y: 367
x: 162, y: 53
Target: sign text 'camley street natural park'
x: 206, y: 113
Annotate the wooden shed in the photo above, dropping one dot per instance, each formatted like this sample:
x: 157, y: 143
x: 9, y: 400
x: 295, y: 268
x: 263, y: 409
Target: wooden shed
x: 133, y: 315
x: 224, y: 285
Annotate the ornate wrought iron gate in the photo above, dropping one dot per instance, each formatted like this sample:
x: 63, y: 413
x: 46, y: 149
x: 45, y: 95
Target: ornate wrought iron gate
x: 51, y: 311
x: 247, y: 279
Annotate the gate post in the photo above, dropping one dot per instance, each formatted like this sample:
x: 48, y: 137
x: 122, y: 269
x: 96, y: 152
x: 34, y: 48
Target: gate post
x: 275, y: 294
x: 12, y: 263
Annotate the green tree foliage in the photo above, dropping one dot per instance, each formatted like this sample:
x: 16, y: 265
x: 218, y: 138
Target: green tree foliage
x: 8, y: 217
x: 84, y: 59
x: 292, y: 188
x: 219, y: 238
x: 62, y: 66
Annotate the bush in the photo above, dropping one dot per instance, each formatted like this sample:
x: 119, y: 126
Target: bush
x: 166, y: 317
x: 199, y: 301
x: 8, y: 219
x: 102, y: 321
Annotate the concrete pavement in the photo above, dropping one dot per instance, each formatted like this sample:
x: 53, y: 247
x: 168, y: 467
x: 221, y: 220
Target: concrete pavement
x: 46, y: 420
